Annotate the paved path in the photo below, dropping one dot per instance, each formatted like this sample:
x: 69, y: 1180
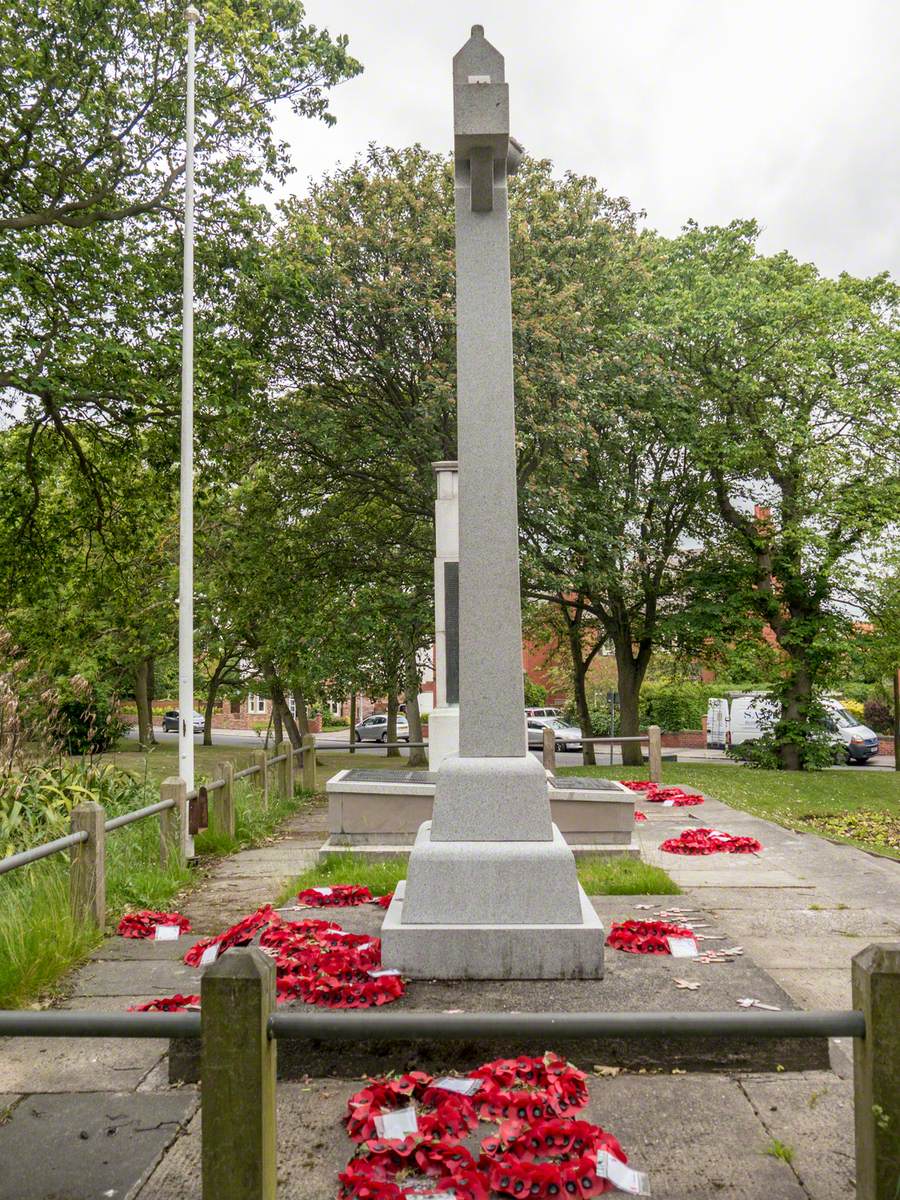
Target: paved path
x: 97, y: 1118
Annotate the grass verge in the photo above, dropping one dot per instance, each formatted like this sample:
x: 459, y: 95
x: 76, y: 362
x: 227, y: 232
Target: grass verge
x: 599, y: 876
x: 860, y: 807
x: 39, y: 941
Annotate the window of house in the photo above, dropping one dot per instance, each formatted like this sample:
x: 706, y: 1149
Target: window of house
x: 234, y: 707
x: 256, y: 705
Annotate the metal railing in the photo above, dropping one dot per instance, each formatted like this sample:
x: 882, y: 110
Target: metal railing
x: 240, y: 1028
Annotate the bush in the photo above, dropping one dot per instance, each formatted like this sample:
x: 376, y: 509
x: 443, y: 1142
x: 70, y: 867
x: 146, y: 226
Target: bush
x: 535, y: 694
x: 87, y: 727
x: 878, y: 716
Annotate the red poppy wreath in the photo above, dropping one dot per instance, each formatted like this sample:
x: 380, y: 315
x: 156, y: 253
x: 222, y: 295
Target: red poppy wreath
x: 143, y: 924
x: 528, y: 1089
x: 549, y: 1159
x: 339, y: 895
x: 710, y: 841
x: 442, y: 1115
x: 645, y: 937
x: 176, y: 1003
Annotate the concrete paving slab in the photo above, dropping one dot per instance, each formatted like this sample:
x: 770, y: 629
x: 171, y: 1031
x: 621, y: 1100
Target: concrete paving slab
x: 119, y: 949
x: 8, y: 1101
x: 696, y: 1138
x: 125, y: 978
x: 815, y: 953
x: 757, y: 899
x: 807, y: 924
x: 76, y: 1064
x: 808, y: 988
x: 813, y: 1114
x: 84, y: 1146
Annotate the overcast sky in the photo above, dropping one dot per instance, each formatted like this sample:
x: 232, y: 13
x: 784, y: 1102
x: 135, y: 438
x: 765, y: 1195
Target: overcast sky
x: 784, y: 110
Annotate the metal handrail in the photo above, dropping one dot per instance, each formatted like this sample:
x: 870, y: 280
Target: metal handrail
x: 246, y: 773
x: 44, y: 851
x: 279, y: 758
x: 450, y: 1026
x: 351, y: 1026
x: 138, y: 814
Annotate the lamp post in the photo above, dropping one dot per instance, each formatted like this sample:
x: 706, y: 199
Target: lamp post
x: 186, y: 515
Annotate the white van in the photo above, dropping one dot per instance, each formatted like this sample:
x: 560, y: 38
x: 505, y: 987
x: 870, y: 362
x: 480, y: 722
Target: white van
x: 744, y: 718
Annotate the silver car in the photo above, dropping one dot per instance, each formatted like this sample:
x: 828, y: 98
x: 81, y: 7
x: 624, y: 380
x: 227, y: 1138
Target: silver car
x: 374, y: 729
x: 565, y: 737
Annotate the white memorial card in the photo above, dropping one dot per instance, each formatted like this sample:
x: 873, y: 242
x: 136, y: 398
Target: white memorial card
x: 682, y: 947
x: 383, y: 971
x: 209, y: 955
x: 668, y: 803
x: 322, y: 891
x: 167, y: 933
x: 463, y: 1087
x: 397, y: 1124
x: 621, y: 1176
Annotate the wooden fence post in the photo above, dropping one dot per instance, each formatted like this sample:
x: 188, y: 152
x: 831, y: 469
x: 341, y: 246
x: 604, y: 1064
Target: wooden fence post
x: 654, y: 753
x: 237, y: 1070
x: 549, y: 754
x: 285, y: 770
x: 261, y: 778
x: 221, y: 811
x: 87, y: 868
x: 876, y: 1072
x: 308, y: 762
x: 173, y: 824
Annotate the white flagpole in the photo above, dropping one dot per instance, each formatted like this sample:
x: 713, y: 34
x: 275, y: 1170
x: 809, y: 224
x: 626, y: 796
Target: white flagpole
x: 186, y: 539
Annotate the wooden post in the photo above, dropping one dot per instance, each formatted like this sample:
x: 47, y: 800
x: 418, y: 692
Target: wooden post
x: 237, y: 1071
x: 876, y: 1072
x: 654, y: 753
x: 173, y: 824
x: 221, y: 813
x: 285, y: 770
x: 87, y: 868
x: 309, y: 762
x: 261, y: 778
x: 549, y: 748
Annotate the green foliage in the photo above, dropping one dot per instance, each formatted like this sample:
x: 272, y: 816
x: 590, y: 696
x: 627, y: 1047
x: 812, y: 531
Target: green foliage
x: 623, y: 876
x: 778, y: 1149
x: 535, y: 693
x: 878, y: 716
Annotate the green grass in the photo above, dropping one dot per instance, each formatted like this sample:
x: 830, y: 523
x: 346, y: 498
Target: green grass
x: 39, y: 942
x: 860, y: 807
x: 778, y: 1149
x: 599, y: 876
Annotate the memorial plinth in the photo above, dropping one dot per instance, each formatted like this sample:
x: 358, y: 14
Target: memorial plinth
x: 491, y: 890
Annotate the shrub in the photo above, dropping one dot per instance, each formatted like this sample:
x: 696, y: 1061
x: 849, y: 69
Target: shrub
x: 535, y: 694
x: 878, y: 716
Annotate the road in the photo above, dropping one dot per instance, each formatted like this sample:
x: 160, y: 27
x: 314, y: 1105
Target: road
x: 247, y: 739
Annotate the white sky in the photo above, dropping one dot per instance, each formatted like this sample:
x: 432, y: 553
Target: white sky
x: 708, y: 109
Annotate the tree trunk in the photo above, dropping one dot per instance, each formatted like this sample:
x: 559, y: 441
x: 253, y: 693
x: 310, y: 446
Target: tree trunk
x: 277, y: 724
x: 211, y: 693
x: 580, y: 664
x: 353, y: 722
x: 897, y: 719
x: 392, y: 722
x: 630, y: 671
x: 302, y: 714
x: 143, y: 699
x: 795, y: 702
x: 417, y: 758
x: 276, y: 691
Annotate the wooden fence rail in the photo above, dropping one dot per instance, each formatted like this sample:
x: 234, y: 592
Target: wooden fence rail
x: 179, y: 813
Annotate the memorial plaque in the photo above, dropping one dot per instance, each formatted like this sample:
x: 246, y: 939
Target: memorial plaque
x: 451, y: 621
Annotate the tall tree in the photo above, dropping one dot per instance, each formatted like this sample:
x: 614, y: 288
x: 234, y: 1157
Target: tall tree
x: 795, y: 383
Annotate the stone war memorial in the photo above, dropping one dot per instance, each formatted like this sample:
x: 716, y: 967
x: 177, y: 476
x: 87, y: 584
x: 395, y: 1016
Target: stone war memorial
x: 492, y: 890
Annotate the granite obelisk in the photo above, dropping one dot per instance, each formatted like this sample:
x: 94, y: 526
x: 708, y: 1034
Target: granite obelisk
x: 491, y: 890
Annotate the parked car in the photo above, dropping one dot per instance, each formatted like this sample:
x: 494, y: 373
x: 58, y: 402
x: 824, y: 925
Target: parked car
x: 565, y: 737
x: 542, y: 712
x: 745, y: 718
x: 170, y: 722
x: 374, y: 729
